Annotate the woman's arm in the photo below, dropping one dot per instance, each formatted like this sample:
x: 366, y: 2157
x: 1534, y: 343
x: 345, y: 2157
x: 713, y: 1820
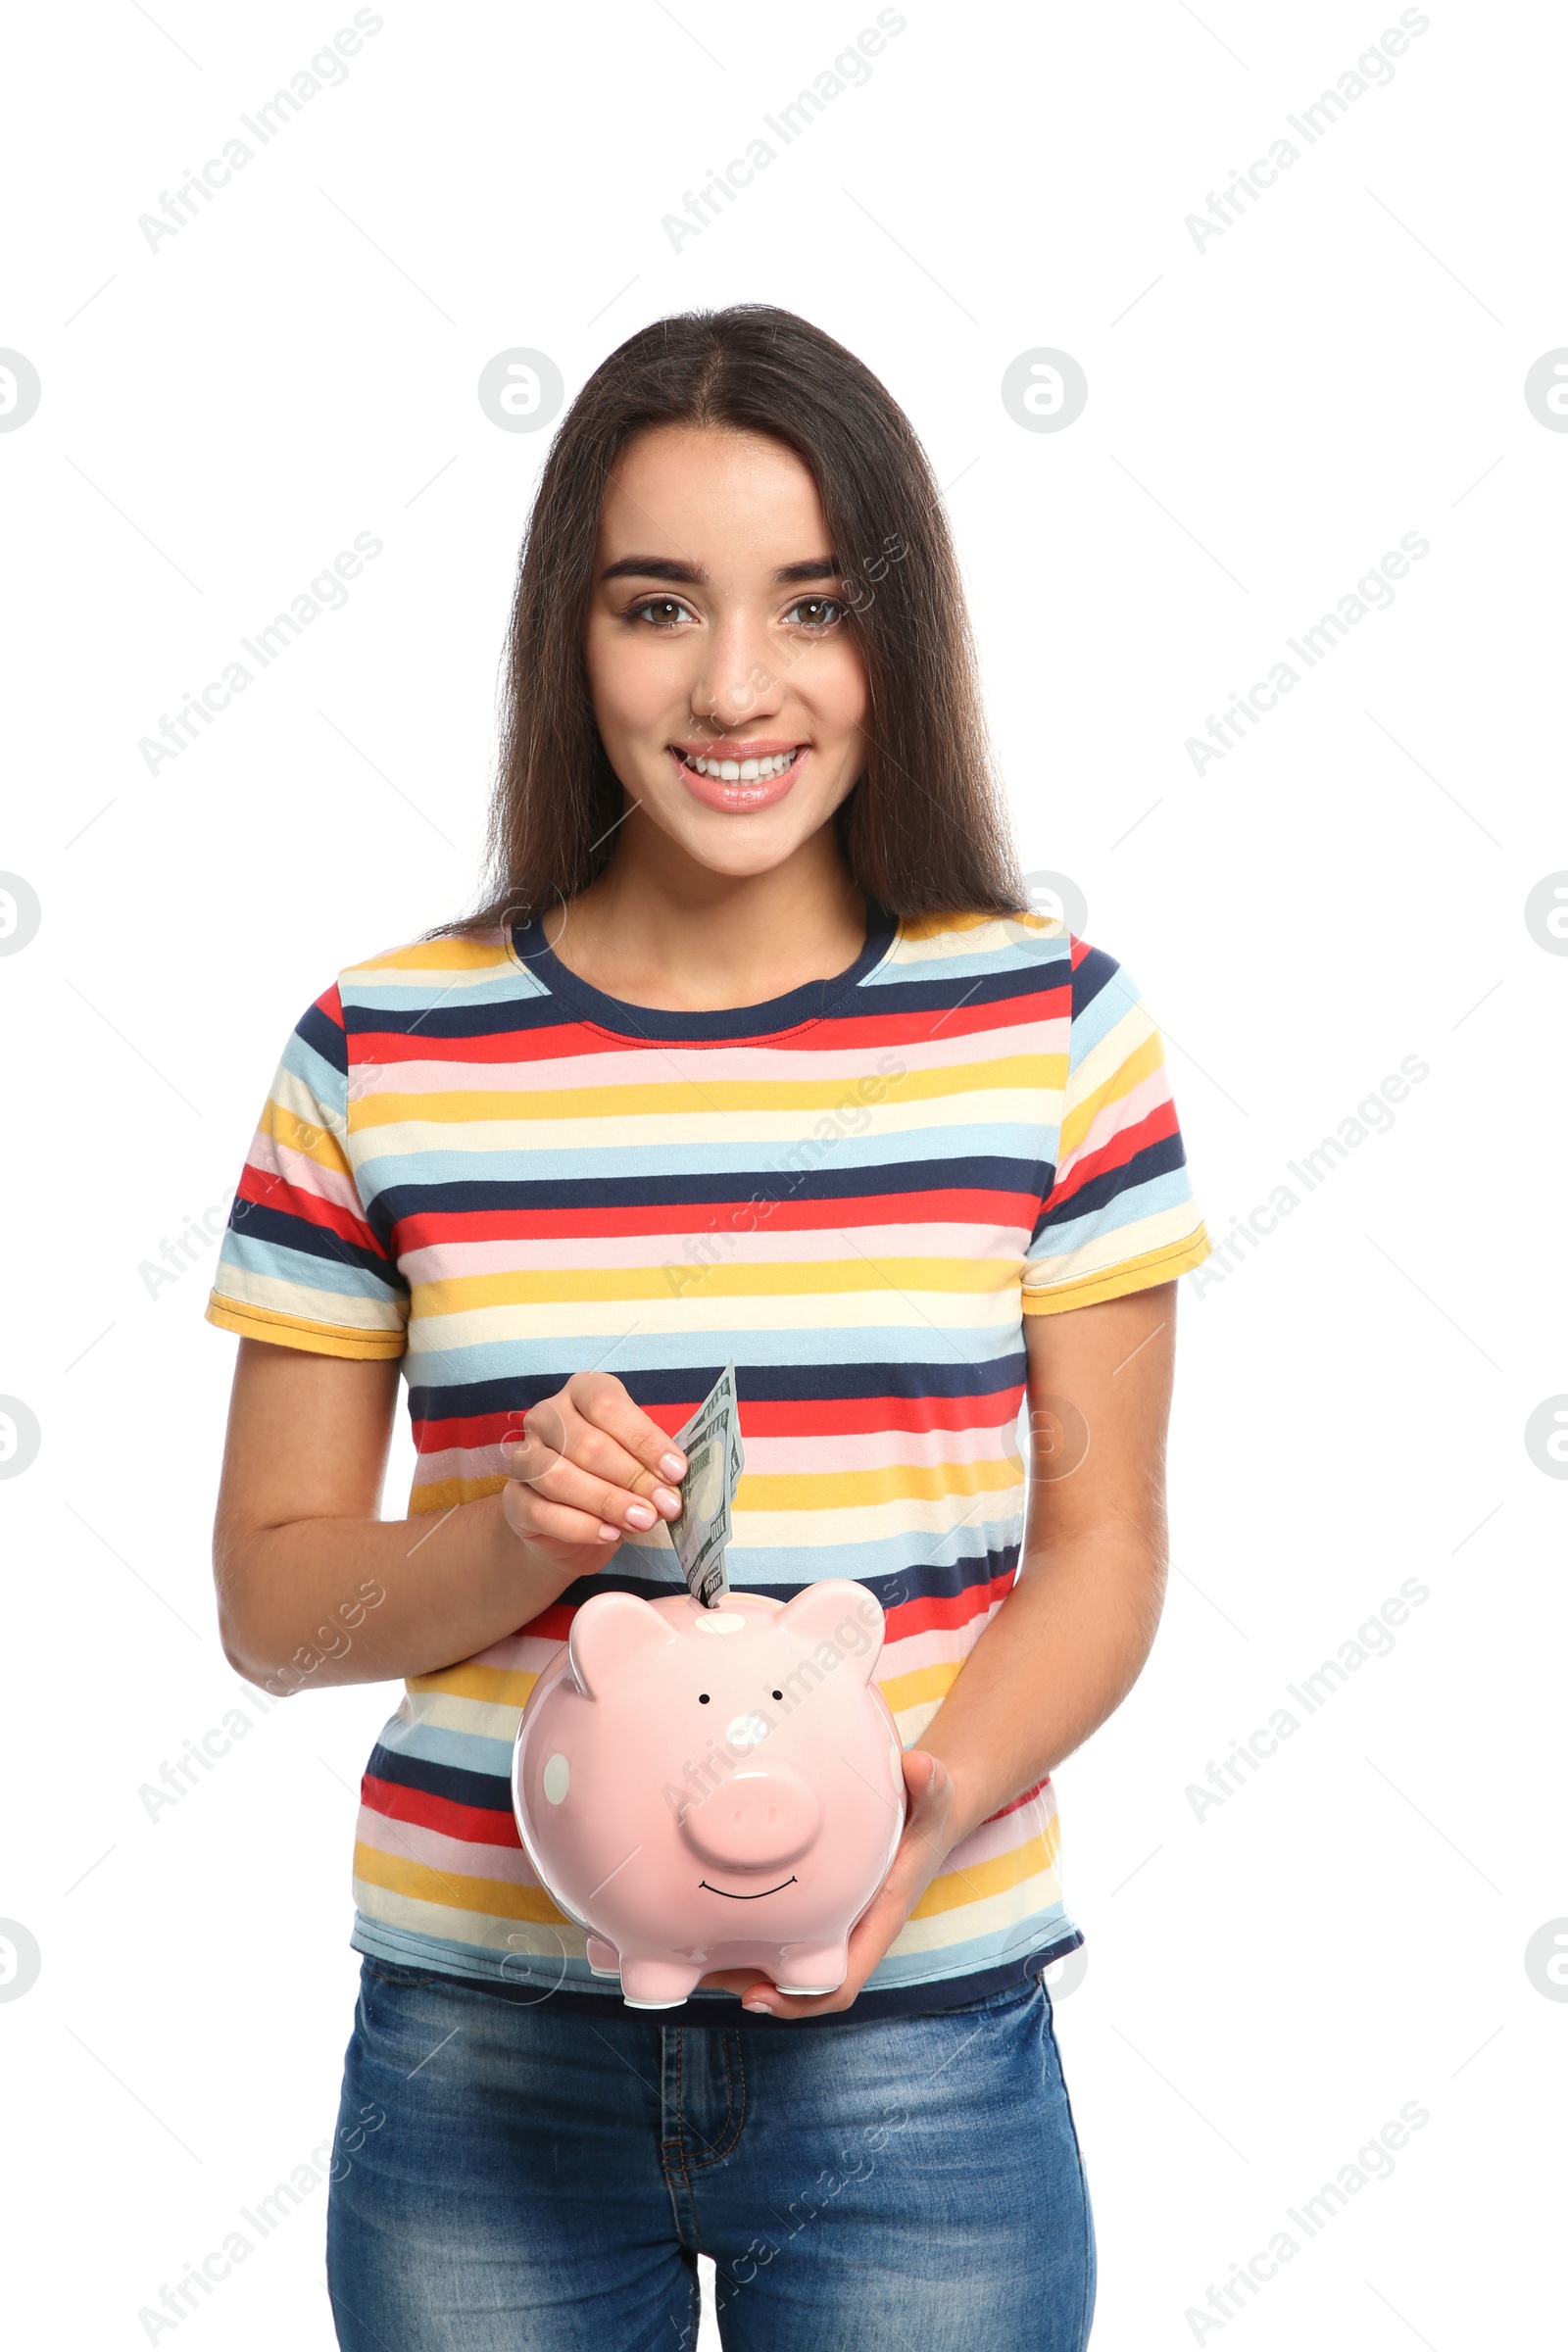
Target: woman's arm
x: 315, y: 1587
x: 1070, y: 1640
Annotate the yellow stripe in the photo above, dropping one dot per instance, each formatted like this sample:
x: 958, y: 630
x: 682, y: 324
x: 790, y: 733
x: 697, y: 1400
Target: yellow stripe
x: 1138, y: 1065
x: 435, y: 955
x: 971, y: 1884
x: 501, y: 1898
x: 921, y: 1686
x: 932, y: 926
x: 504, y: 1898
x: 308, y: 1137
x: 495, y: 1686
x: 895, y: 1482
x: 958, y: 1277
x: 683, y: 1098
x: 809, y: 1509
x: 1134, y: 1274
x: 445, y: 1493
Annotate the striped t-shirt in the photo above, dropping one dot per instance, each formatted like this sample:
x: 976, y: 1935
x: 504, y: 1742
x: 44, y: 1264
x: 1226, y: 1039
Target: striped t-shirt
x: 475, y: 1163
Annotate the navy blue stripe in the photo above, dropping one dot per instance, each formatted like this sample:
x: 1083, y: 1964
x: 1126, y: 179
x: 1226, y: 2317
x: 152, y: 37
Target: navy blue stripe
x: 257, y: 1222
x: 1154, y: 1160
x: 930, y: 1580
x: 1028, y: 1179
x: 765, y: 1384
x: 487, y: 1792
x: 572, y: 1001
x: 1097, y: 971
x: 324, y: 1036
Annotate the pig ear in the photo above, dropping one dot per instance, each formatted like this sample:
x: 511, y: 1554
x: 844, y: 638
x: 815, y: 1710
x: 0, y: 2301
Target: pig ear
x: 613, y: 1630
x: 843, y: 1613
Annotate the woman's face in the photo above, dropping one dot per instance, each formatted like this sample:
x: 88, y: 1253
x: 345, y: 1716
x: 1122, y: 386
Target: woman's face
x: 717, y: 634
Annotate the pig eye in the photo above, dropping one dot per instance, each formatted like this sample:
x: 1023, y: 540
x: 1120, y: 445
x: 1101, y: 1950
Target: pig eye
x: 701, y: 1698
x: 778, y: 1694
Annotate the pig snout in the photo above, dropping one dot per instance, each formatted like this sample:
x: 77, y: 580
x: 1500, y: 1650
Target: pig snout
x: 757, y: 1820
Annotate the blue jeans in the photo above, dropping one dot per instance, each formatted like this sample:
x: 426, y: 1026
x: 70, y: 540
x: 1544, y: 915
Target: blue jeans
x: 510, y: 2177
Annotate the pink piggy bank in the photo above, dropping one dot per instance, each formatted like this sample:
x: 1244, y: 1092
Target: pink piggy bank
x: 706, y: 1788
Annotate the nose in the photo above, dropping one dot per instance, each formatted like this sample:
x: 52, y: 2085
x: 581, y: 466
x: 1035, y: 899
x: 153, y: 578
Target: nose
x: 741, y: 683
x: 757, y: 1820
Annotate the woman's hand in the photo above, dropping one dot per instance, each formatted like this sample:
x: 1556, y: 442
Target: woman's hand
x: 922, y: 1849
x: 589, y: 1467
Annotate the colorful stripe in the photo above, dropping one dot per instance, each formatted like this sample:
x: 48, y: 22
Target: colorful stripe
x: 474, y: 1161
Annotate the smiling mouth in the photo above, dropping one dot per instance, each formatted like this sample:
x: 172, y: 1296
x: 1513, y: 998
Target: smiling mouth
x: 791, y: 1881
x: 740, y: 771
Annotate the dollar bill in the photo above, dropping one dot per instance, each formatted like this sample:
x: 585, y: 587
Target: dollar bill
x: 715, y: 1458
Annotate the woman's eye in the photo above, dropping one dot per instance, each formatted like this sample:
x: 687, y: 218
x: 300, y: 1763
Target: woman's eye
x: 817, y: 611
x: 663, y: 612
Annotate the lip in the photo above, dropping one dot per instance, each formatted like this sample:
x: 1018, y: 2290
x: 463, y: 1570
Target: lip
x: 737, y: 746
x: 737, y: 799
x: 791, y: 1881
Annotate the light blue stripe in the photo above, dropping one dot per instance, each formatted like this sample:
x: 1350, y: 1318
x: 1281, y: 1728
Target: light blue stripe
x: 245, y: 1253
x: 887, y: 1556
x: 326, y: 1083
x: 1098, y: 1018
x: 461, y: 1751
x: 1151, y: 1198
x: 367, y: 993
x: 973, y: 1349
x: 587, y: 1161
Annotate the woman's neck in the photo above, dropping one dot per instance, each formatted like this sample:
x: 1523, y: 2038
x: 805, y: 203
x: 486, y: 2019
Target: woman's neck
x: 680, y: 938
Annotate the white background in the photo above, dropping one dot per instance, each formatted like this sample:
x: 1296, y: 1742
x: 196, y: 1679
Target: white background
x: 1266, y: 1986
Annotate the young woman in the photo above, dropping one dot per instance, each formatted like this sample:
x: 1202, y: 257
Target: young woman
x: 755, y: 1055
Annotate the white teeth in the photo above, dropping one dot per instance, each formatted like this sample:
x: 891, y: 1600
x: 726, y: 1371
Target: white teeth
x: 740, y: 771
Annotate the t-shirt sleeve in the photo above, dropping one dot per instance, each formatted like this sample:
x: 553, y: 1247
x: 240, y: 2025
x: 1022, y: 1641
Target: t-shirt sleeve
x: 1119, y: 1215
x: 302, y: 1262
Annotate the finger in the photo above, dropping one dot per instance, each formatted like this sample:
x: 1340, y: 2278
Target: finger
x: 584, y: 1489
x: 760, y: 1993
x: 604, y: 1400
x: 552, y: 1441
x: 591, y: 1449
x: 528, y: 1514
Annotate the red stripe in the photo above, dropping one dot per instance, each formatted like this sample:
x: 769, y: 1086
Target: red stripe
x: 372, y: 1049
x: 1027, y: 1798
x: 938, y: 1206
x: 1031, y: 1010
x: 1119, y: 1151
x: 269, y: 1190
x: 782, y: 1417
x: 553, y: 1624
x: 476, y: 1825
x: 945, y: 1612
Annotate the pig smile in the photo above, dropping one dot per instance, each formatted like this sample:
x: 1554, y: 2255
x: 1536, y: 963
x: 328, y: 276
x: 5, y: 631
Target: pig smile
x: 791, y: 1881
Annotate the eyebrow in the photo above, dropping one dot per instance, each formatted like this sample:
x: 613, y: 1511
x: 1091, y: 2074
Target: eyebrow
x: 692, y: 576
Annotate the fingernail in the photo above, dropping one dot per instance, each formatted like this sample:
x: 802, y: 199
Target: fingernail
x: 638, y: 1515
x: 667, y: 1500
x: 674, y: 1465
x: 609, y: 1534
x: 758, y: 2008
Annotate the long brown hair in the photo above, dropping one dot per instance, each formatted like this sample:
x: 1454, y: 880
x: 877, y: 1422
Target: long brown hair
x: 925, y: 830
